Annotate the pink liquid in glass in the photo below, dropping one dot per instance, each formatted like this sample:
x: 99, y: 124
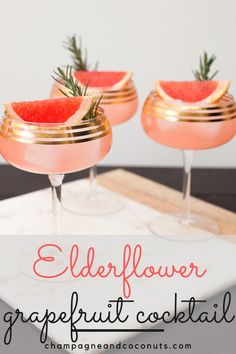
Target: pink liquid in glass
x: 119, y: 113
x: 188, y: 135
x: 55, y: 159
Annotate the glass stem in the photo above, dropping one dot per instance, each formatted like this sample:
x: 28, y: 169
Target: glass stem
x: 56, y: 183
x: 93, y: 181
x: 187, y: 159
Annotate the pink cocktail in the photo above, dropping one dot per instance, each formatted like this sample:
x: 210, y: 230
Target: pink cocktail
x: 120, y: 105
x: 188, y: 127
x: 55, y: 149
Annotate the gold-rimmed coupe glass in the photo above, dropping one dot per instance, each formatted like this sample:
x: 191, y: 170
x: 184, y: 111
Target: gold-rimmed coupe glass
x: 188, y: 127
x: 120, y: 105
x: 55, y: 149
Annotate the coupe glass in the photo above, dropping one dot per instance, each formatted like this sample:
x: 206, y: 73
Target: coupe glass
x: 55, y: 149
x: 119, y: 105
x: 189, y: 128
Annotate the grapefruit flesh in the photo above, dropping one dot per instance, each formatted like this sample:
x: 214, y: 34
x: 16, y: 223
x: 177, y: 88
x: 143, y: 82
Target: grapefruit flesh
x: 57, y: 110
x: 192, y: 91
x: 103, y: 80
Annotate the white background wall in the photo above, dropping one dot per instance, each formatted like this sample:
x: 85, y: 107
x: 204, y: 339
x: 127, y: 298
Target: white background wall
x: 156, y: 39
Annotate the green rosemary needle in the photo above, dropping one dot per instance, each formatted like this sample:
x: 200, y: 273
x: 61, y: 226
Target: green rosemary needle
x: 80, y: 61
x: 205, y: 63
x: 66, y: 79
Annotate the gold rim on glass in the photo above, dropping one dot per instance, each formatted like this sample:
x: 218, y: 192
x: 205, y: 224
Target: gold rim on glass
x: 29, y: 133
x: 223, y: 110
x: 126, y: 94
x: 199, y: 113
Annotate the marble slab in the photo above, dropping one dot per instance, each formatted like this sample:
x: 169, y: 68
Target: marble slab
x: 31, y: 214
x: 26, y: 224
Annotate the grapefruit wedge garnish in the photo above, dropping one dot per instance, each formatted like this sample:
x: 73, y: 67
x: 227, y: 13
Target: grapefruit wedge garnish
x: 192, y: 91
x: 69, y: 110
x: 103, y: 80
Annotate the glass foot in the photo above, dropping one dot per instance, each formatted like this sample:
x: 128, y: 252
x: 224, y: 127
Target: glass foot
x: 171, y: 227
x: 100, y: 203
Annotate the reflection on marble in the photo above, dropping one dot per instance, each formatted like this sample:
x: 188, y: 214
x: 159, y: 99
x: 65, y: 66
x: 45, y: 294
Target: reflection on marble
x: 31, y: 214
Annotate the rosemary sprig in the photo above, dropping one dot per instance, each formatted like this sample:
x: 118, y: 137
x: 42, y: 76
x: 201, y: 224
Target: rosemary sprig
x: 66, y: 79
x: 205, y: 64
x: 80, y: 61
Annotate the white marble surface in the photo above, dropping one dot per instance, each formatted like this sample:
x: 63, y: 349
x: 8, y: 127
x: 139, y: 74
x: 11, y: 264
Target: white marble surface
x: 31, y: 214
x: 25, y: 224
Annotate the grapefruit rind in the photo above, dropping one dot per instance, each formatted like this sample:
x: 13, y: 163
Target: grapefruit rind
x: 56, y: 91
x: 82, y: 111
x: 76, y: 118
x: 117, y: 86
x: 220, y: 90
